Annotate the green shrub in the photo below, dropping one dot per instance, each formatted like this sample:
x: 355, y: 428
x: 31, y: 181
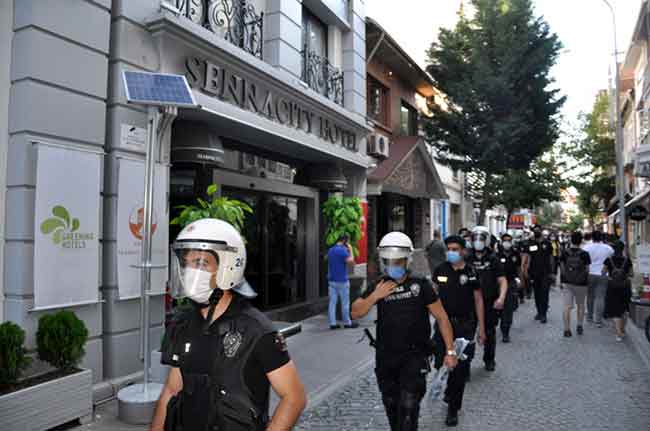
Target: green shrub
x: 13, y: 357
x: 60, y: 339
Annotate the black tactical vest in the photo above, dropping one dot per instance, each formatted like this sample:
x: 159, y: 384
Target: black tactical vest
x: 221, y: 401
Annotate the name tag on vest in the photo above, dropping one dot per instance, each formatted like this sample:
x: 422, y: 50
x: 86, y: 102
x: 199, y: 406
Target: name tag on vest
x: 442, y: 279
x: 533, y: 248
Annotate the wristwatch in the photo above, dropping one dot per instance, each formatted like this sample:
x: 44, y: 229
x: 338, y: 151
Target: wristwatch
x: 451, y: 353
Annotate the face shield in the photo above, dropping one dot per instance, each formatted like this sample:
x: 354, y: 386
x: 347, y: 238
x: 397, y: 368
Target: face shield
x: 480, y: 241
x: 197, y: 268
x: 394, y: 261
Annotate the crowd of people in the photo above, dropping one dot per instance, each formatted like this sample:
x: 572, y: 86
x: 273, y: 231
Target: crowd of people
x: 477, y: 283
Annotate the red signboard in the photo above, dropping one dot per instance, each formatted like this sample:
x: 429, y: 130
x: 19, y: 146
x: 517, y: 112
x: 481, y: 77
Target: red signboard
x: 516, y: 221
x: 362, y: 245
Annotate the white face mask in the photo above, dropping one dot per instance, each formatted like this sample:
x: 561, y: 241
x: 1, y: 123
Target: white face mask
x: 479, y: 245
x: 196, y: 284
x: 507, y: 245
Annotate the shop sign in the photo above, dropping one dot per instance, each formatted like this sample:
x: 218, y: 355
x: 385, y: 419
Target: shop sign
x: 638, y: 213
x: 362, y: 245
x: 66, y: 246
x: 217, y: 80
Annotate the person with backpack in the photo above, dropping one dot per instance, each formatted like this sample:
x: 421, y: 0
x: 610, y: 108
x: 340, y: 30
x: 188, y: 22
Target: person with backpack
x: 574, y: 271
x: 619, y: 291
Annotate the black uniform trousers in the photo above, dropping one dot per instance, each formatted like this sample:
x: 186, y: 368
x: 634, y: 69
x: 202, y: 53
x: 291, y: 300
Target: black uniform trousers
x: 492, y: 317
x: 463, y: 328
x: 401, y: 377
x: 539, y: 280
x: 509, y: 307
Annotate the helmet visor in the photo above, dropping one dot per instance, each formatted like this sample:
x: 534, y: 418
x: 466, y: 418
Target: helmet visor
x: 394, y: 252
x: 193, y: 273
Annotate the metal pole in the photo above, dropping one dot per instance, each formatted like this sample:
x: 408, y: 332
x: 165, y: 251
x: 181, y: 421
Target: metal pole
x: 145, y: 277
x: 620, y: 173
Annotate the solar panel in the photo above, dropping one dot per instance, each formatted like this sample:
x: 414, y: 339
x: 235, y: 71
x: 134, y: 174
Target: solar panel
x: 160, y: 89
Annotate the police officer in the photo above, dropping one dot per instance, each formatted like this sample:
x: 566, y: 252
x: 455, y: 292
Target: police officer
x: 510, y: 258
x: 459, y: 290
x: 466, y: 234
x: 494, y: 287
x: 539, y: 251
x: 404, y: 301
x: 224, y: 354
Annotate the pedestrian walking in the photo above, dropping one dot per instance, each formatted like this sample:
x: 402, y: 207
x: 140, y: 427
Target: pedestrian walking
x: 599, y: 253
x: 403, y: 346
x: 459, y: 288
x: 494, y: 287
x: 511, y: 261
x: 538, y: 266
x: 556, y: 252
x: 619, y: 290
x: 574, y: 275
x: 339, y: 258
x: 436, y: 251
x: 224, y: 354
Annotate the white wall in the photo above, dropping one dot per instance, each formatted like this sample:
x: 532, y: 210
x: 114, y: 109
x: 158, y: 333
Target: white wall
x: 6, y: 36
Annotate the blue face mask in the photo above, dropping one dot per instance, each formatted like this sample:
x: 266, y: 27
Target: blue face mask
x: 453, y: 257
x: 396, y: 272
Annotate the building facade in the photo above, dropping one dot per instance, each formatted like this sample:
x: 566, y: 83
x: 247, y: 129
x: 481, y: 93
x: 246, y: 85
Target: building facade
x: 403, y: 179
x: 281, y: 125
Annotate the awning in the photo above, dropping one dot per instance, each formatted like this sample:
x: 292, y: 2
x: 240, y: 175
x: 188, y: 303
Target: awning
x: 409, y: 171
x: 635, y: 200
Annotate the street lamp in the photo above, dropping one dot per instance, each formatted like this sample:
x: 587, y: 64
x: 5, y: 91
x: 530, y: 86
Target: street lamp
x: 620, y: 174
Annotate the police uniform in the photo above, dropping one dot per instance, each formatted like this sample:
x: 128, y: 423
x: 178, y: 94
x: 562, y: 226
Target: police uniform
x: 456, y: 291
x: 403, y: 349
x: 223, y: 366
x: 489, y: 269
x: 539, y: 253
x: 511, y: 261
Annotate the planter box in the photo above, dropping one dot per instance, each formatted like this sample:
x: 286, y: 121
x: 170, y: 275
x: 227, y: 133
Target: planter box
x: 47, y: 404
x: 639, y: 312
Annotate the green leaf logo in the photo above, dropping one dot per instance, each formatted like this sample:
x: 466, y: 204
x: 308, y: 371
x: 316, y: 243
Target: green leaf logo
x: 60, y: 224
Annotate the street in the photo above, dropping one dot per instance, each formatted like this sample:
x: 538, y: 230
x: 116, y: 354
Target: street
x: 543, y: 382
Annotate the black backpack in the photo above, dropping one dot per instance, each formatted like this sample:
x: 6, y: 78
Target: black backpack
x: 618, y: 276
x: 574, y: 270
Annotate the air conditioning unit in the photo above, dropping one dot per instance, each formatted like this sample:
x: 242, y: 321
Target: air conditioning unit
x: 378, y: 146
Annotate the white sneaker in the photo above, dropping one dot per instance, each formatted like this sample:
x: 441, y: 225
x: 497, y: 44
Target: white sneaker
x: 619, y: 339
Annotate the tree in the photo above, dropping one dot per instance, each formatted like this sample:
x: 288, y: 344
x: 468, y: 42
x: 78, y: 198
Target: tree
x: 529, y: 189
x: 550, y: 214
x: 593, y: 153
x: 499, y: 114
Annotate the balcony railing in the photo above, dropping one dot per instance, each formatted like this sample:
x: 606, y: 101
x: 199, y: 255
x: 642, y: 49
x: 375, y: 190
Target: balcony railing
x: 321, y: 76
x: 234, y: 20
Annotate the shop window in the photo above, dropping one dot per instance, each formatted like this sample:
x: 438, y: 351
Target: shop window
x: 378, y: 101
x: 408, y: 120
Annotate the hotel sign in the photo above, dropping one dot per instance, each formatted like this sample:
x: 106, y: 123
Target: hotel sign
x: 218, y: 81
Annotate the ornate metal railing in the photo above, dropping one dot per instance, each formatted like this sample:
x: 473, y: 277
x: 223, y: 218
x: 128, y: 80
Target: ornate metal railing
x: 234, y: 20
x: 321, y: 76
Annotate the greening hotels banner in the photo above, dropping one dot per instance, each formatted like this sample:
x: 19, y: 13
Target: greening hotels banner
x: 130, y: 216
x: 66, y: 231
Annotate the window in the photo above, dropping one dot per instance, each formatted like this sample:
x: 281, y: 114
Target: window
x: 314, y: 34
x: 408, y: 120
x: 377, y: 101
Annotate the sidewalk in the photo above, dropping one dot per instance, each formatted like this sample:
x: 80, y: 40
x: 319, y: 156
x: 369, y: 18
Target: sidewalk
x: 326, y: 361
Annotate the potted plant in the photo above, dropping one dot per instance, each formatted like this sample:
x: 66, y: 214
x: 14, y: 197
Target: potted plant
x: 219, y: 207
x: 344, y: 216
x: 62, y: 395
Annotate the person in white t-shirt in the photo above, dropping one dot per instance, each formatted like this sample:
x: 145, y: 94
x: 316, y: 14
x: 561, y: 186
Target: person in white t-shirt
x: 599, y: 253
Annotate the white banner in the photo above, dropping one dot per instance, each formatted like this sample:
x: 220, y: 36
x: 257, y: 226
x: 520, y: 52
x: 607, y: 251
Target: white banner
x: 130, y: 214
x: 66, y: 228
x: 642, y: 259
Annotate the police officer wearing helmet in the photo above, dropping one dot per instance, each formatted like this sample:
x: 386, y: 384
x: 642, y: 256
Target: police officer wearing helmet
x: 224, y: 354
x: 539, y: 252
x: 494, y: 287
x: 511, y: 261
x: 459, y: 289
x: 404, y: 302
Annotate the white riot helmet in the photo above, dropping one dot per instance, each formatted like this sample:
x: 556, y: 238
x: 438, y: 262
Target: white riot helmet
x: 191, y: 278
x: 395, y: 245
x: 481, y: 235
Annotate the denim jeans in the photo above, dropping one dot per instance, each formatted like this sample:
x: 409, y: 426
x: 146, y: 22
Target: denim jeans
x: 596, y: 297
x: 339, y: 290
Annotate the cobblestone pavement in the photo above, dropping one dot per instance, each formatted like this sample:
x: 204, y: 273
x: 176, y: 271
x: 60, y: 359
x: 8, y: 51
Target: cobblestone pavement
x: 543, y: 382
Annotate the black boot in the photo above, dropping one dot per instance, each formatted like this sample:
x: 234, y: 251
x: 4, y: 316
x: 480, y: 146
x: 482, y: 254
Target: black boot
x: 505, y: 331
x: 392, y: 412
x: 452, y: 418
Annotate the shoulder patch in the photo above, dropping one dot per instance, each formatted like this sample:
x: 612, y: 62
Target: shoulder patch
x: 415, y: 288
